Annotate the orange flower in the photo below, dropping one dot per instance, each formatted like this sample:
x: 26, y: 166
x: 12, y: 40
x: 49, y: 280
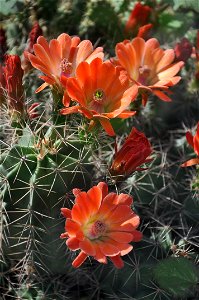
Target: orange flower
x: 194, y: 143
x: 101, y: 225
x: 132, y: 154
x: 149, y: 66
x: 138, y: 17
x: 102, y: 92
x: 59, y: 59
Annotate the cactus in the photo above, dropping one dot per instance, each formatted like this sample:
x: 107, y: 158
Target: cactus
x: 35, y: 182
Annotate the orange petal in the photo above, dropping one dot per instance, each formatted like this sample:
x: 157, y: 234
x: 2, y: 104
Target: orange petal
x: 75, y: 91
x: 43, y: 42
x: 95, y: 198
x: 125, y: 199
x: 42, y: 55
x: 99, y: 256
x: 162, y: 96
x: 98, y: 52
x: 43, y: 86
x: 125, y: 249
x: 77, y: 214
x: 73, y: 243
x: 84, y: 204
x: 104, y: 188
x: 88, y: 247
x: 134, y: 220
x: 120, y: 214
x: 108, y: 249
x: 171, y: 70
x: 189, y: 138
x: 137, y: 236
x: 117, y: 261
x: 126, y: 114
x: 65, y: 43
x: 66, y: 99
x: 79, y: 259
x: 72, y: 227
x: 191, y: 162
x: 66, y: 212
x: 85, y: 48
x: 121, y: 237
x: 138, y: 45
x: 69, y: 110
x: 166, y: 60
x: 107, y: 126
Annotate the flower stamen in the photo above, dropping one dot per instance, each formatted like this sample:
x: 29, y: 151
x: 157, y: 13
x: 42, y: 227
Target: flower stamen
x: 66, y: 67
x: 97, y: 229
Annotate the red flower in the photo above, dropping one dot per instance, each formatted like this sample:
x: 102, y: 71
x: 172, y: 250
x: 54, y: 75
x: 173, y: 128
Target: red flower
x: 132, y: 154
x: 138, y: 17
x: 13, y: 77
x: 183, y: 50
x: 194, y: 143
x: 101, y: 225
x: 32, y: 39
x: 102, y: 92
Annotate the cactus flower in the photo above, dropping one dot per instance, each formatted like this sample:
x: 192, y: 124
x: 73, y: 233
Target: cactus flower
x: 138, y: 17
x: 133, y: 153
x: 194, y: 143
x: 152, y: 68
x: 100, y: 97
x: 13, y: 74
x: 101, y: 225
x: 59, y: 59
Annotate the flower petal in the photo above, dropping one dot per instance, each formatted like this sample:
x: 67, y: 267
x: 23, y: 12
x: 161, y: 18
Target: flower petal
x: 79, y: 259
x: 117, y: 261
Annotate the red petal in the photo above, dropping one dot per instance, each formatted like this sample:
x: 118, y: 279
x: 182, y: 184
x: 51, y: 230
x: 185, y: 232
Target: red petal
x: 121, y: 237
x: 87, y: 247
x: 73, y: 243
x: 79, y: 259
x: 66, y: 212
x: 117, y: 261
x: 191, y: 162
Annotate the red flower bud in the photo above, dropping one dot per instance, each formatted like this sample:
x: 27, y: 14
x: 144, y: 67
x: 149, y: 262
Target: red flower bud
x: 32, y: 39
x: 138, y: 17
x: 183, y: 50
x: 132, y: 154
x: 13, y: 77
x: 143, y: 31
x: 193, y: 141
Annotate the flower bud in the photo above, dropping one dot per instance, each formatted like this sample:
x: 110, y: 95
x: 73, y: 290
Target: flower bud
x: 132, y: 154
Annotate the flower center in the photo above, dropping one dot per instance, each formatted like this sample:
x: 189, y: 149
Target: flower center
x: 144, y: 74
x: 96, y: 230
x: 66, y: 67
x: 99, y: 96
